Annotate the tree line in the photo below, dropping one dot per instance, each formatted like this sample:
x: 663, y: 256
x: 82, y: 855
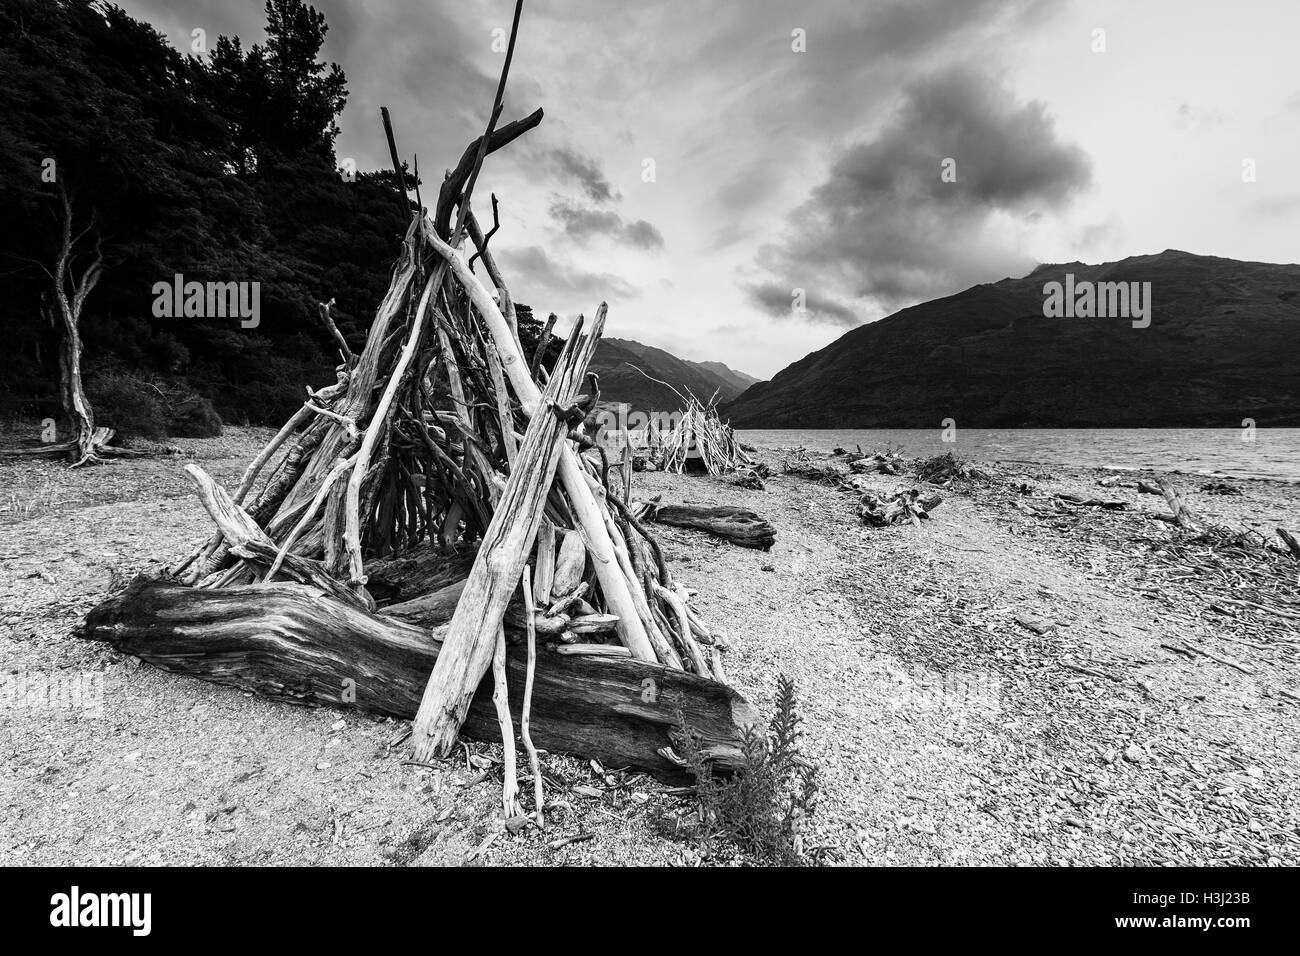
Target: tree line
x: 128, y: 164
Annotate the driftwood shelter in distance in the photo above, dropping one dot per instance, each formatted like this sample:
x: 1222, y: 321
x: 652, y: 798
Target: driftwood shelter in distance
x: 435, y: 515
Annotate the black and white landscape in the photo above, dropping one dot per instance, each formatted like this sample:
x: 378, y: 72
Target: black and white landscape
x: 521, y: 434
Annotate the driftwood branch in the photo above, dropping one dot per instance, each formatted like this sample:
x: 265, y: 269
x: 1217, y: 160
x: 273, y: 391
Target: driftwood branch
x: 1183, y: 516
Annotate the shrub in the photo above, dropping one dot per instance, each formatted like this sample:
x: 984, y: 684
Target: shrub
x: 761, y: 808
x: 131, y: 406
x: 194, y: 417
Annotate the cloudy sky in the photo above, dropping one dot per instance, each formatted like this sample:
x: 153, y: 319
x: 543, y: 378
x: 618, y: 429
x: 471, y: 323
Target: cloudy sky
x: 1076, y: 129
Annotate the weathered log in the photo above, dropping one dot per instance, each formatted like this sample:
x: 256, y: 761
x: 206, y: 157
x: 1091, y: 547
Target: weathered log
x: 569, y: 565
x: 418, y: 572
x: 438, y: 607
x: 738, y: 525
x: 1182, y: 514
x: 1290, y: 541
x: 292, y: 643
x: 1111, y: 504
x: 544, y: 575
x: 429, y: 610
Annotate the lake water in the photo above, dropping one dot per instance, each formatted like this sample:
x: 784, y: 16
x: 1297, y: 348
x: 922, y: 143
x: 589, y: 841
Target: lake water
x: 1274, y: 452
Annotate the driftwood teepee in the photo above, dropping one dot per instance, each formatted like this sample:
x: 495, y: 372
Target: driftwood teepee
x: 699, y: 438
x: 372, y: 554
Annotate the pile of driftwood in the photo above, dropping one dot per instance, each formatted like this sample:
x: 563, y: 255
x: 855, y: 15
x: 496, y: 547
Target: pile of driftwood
x: 752, y: 476
x: 803, y: 466
x: 701, y: 442
x: 947, y: 469
x: 880, y: 463
x: 437, y: 514
x: 909, y: 505
x: 875, y: 508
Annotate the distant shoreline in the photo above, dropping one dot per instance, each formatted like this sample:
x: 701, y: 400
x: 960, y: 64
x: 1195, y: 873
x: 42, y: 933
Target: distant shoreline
x: 1273, y: 455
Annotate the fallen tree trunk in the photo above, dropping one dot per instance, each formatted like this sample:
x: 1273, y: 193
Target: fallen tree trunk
x: 293, y: 643
x: 740, y: 526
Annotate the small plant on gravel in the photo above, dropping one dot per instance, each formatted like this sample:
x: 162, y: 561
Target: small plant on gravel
x: 762, y: 808
x: 31, y: 502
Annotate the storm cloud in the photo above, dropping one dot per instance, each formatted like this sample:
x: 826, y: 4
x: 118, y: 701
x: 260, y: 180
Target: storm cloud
x: 538, y: 276
x: 887, y: 227
x: 583, y: 170
x: 582, y: 223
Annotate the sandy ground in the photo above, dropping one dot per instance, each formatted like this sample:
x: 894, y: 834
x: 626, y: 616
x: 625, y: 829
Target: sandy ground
x: 987, y: 688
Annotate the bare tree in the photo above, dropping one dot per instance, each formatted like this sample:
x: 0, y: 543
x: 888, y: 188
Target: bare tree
x: 77, y: 266
x: 72, y: 284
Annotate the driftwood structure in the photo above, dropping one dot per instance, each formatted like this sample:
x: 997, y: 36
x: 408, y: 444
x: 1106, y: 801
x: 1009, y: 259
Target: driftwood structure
x: 699, y: 441
x: 436, y: 504
x: 701, y: 437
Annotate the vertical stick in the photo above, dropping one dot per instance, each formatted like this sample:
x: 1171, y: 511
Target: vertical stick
x: 397, y: 162
x: 542, y: 342
x: 504, y: 414
x: 539, y: 798
x: 501, y: 698
x: 1182, y: 514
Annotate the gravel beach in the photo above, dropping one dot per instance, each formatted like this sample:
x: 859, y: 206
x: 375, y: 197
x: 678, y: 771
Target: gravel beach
x: 1019, y: 680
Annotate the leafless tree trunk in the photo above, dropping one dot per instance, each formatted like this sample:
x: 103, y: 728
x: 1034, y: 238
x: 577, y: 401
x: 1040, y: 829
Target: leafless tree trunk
x: 70, y: 292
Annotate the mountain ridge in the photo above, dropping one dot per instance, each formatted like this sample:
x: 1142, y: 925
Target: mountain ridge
x: 1218, y: 351
x: 617, y: 362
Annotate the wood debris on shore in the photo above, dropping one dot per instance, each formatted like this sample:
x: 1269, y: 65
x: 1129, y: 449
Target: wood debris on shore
x: 910, y: 505
x: 699, y: 442
x: 441, y: 443
x: 738, y: 525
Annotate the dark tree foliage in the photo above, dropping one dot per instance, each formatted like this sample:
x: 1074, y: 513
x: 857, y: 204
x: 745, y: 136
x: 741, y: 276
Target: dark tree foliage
x: 219, y: 168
